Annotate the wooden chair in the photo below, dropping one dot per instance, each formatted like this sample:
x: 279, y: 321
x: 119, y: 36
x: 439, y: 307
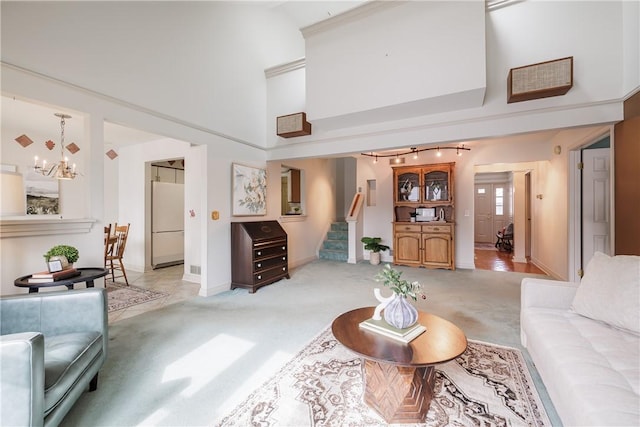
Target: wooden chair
x: 120, y: 235
x: 109, y: 242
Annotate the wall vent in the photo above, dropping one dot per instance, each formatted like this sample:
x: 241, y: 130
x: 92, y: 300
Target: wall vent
x: 195, y: 269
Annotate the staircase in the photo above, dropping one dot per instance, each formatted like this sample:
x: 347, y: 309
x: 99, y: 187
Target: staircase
x: 335, y: 247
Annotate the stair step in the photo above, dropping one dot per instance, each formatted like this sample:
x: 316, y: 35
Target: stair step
x: 336, y: 245
x: 333, y: 255
x: 339, y: 226
x: 338, y: 235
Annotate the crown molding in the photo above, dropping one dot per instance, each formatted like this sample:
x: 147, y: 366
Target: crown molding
x: 285, y: 68
x: 350, y: 16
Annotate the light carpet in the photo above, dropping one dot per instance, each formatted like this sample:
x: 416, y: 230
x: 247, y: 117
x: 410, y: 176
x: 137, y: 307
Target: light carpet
x: 489, y: 385
x: 123, y: 296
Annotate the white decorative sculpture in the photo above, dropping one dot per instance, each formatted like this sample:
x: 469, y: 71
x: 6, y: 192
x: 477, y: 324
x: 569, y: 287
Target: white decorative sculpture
x: 384, y: 301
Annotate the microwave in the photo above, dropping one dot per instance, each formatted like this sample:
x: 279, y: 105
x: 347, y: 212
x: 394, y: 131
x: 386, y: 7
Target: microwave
x: 425, y: 214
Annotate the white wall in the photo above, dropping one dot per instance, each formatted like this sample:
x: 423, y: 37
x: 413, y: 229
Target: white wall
x: 391, y: 54
x: 198, y: 62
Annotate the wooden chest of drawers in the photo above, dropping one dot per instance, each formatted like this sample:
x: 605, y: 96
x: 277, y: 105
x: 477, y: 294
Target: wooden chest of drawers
x: 258, y: 254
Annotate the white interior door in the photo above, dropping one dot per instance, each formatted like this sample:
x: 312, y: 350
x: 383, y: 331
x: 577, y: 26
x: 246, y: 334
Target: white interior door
x: 483, y: 225
x: 596, y: 193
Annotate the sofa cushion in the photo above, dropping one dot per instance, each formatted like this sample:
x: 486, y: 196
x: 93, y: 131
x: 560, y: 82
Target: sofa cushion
x: 66, y: 357
x: 610, y: 291
x: 590, y: 369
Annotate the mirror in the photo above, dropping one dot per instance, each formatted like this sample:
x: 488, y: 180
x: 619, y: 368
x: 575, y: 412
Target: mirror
x: 291, y: 182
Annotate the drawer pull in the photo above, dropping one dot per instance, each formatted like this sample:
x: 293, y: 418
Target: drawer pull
x: 284, y: 268
x: 259, y: 277
x: 284, y: 248
x: 259, y: 265
x: 436, y: 229
x: 259, y: 253
x: 284, y: 258
x: 407, y: 228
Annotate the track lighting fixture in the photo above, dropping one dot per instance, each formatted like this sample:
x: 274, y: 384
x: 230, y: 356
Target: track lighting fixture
x: 414, y: 151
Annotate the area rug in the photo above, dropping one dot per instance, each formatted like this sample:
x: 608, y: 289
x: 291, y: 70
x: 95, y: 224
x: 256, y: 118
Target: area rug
x: 485, y: 247
x: 488, y: 385
x: 123, y: 296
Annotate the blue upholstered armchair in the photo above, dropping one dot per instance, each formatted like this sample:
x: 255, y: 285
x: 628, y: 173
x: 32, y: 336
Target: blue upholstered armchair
x: 52, y: 346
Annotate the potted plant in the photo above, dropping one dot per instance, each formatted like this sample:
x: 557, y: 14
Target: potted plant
x: 65, y: 253
x: 373, y: 244
x: 399, y: 312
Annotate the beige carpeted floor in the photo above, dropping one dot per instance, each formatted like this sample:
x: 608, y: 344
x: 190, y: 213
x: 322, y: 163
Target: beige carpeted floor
x: 191, y: 362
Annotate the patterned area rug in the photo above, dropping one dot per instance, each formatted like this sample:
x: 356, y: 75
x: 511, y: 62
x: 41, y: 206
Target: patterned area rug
x: 123, y: 296
x: 488, y: 385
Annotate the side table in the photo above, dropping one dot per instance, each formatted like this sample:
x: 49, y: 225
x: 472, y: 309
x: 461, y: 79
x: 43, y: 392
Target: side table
x: 87, y: 275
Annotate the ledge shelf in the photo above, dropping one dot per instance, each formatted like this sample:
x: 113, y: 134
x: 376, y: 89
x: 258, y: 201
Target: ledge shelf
x: 37, y: 226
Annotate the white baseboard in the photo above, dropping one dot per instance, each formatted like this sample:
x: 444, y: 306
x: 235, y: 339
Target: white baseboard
x: 213, y: 290
x: 192, y: 278
x: 466, y: 265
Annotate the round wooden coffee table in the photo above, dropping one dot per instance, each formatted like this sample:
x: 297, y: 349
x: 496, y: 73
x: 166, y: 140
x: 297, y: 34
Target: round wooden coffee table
x: 400, y: 378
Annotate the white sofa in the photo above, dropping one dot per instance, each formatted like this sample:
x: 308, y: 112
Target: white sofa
x: 585, y: 343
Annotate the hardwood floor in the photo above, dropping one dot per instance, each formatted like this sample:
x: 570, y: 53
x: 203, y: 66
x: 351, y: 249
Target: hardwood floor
x: 487, y: 257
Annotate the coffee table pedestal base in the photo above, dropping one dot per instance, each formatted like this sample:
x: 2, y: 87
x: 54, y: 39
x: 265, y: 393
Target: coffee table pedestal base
x: 400, y: 394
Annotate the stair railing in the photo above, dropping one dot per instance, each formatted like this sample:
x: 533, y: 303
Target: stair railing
x: 355, y: 229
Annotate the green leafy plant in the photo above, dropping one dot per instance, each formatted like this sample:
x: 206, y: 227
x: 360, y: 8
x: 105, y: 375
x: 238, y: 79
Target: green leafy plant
x: 391, y: 277
x: 373, y: 244
x: 69, y: 252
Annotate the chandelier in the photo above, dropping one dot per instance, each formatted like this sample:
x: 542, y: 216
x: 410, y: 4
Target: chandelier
x: 414, y: 150
x: 60, y: 170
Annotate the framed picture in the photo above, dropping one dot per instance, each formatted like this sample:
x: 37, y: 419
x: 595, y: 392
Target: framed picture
x: 43, y: 196
x: 249, y: 190
x: 55, y: 265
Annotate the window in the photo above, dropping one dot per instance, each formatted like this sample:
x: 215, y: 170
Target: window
x: 499, y: 192
x: 291, y: 180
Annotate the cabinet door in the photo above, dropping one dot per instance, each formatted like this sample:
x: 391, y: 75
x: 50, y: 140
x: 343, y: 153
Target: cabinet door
x: 437, y: 185
x: 407, y: 185
x: 406, y: 249
x: 437, y: 250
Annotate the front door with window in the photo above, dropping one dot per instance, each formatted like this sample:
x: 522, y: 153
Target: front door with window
x: 492, y: 210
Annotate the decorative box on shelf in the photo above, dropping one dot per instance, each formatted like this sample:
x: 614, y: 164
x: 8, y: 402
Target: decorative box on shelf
x: 293, y: 125
x: 542, y: 80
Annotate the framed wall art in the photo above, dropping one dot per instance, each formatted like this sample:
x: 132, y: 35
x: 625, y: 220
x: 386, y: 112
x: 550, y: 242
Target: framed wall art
x: 249, y: 190
x: 43, y: 195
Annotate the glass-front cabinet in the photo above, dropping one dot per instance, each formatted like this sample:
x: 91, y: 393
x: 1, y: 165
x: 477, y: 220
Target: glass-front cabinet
x: 425, y: 185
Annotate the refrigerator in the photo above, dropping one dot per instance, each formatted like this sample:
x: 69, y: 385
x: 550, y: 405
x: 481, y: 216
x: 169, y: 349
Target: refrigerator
x: 167, y: 224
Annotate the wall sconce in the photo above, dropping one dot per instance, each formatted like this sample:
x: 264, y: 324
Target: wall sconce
x: 539, y: 196
x: 557, y: 149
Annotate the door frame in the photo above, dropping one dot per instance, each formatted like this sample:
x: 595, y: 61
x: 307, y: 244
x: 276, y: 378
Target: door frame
x: 575, y: 201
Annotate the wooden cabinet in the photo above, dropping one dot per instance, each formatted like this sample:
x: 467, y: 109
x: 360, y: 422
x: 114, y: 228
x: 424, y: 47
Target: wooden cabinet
x: 424, y: 244
x: 258, y: 254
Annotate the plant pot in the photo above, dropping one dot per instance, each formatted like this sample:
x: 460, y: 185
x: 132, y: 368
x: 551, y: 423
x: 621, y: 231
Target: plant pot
x: 400, y: 312
x: 374, y: 258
